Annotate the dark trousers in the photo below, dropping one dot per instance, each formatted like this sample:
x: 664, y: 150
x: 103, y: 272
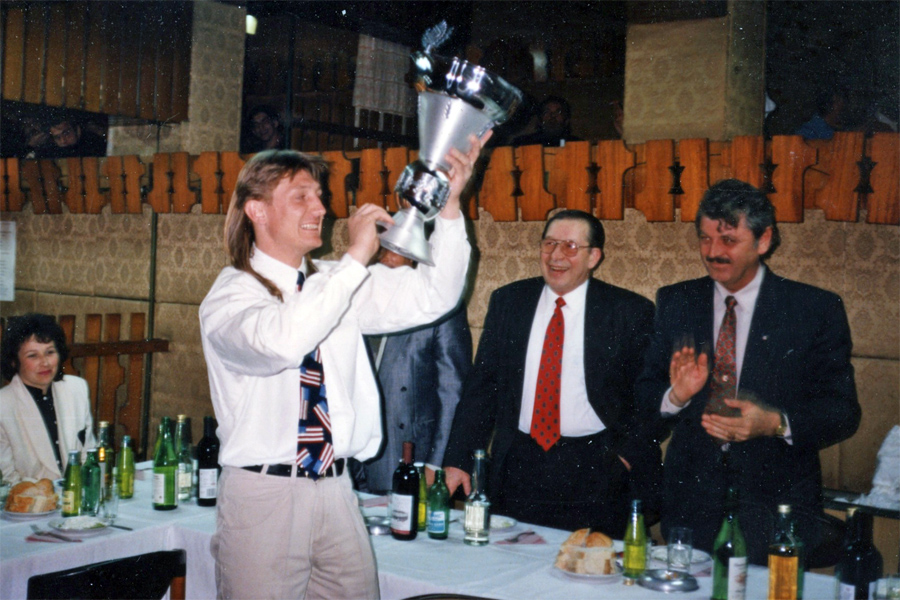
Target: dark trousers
x: 580, y: 482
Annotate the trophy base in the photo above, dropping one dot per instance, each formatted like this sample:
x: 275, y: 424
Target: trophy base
x: 407, y: 237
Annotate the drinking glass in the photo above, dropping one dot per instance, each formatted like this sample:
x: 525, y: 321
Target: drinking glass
x: 679, y: 548
x: 109, y: 509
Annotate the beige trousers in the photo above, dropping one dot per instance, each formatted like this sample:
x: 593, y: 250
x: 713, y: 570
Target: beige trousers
x: 289, y: 537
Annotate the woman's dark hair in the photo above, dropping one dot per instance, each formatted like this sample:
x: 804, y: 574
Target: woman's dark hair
x: 19, y: 330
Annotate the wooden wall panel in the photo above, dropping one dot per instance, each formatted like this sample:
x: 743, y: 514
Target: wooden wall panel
x: 747, y: 157
x: 128, y: 59
x: 371, y: 182
x: 181, y: 69
x: 340, y: 168
x: 207, y: 167
x: 497, y: 189
x: 574, y: 169
x: 35, y: 52
x: 693, y: 156
x: 112, y: 68
x: 791, y: 156
x: 147, y: 64
x: 95, y: 48
x: 10, y: 184
x: 76, y: 37
x: 75, y: 191
x: 56, y: 56
x: 535, y: 201
x: 884, y: 201
x: 654, y: 200
x: 14, y: 54
x: 838, y: 198
x: 614, y: 159
x: 231, y: 163
x: 395, y: 160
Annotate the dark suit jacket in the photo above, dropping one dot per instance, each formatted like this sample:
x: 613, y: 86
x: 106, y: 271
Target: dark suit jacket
x: 797, y: 360
x: 616, y: 332
x: 421, y: 378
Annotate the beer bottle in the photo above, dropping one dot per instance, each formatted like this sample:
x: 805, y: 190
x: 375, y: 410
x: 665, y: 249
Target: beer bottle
x: 730, y: 555
x: 72, y: 488
x: 405, y: 497
x: 208, y: 464
x: 185, y: 461
x: 478, y: 507
x: 438, y: 508
x: 165, y: 471
x: 785, y: 559
x: 106, y: 456
x: 635, y: 544
x: 91, y: 483
x: 125, y: 469
x: 423, y: 497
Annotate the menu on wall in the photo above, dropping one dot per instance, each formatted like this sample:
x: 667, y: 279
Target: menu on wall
x: 7, y: 261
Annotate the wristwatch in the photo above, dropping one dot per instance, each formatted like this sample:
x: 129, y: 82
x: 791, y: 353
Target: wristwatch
x: 782, y: 426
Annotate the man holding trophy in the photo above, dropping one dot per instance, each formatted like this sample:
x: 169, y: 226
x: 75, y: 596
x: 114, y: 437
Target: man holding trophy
x: 290, y: 379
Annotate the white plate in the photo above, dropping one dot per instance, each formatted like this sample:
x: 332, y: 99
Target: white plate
x: 499, y: 523
x: 588, y: 578
x: 17, y: 516
x: 96, y: 527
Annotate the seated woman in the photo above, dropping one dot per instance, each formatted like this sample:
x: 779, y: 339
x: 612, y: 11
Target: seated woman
x: 43, y: 414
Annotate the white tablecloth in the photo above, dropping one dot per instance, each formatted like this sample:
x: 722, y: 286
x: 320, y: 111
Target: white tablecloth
x: 404, y: 568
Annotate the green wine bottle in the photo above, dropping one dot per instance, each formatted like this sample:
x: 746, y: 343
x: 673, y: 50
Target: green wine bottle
x: 730, y: 555
x: 438, y: 508
x: 165, y: 471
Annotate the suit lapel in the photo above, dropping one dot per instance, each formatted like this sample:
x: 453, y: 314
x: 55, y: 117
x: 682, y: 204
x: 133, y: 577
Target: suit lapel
x: 519, y: 330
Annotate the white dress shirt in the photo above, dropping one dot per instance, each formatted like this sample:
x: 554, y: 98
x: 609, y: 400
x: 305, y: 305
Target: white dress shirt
x: 577, y: 416
x: 254, y: 344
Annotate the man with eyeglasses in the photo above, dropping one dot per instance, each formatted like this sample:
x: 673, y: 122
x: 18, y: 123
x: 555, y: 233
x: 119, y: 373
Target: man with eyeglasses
x: 69, y: 139
x: 551, y: 392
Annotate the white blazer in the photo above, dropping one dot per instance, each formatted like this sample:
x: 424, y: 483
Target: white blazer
x: 25, y: 447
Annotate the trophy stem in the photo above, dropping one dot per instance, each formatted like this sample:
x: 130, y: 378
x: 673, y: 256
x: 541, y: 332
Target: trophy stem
x: 407, y: 236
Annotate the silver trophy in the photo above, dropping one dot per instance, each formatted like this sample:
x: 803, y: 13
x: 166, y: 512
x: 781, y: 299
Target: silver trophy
x: 456, y: 99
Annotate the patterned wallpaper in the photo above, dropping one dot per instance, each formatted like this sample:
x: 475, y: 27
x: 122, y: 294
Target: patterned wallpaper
x: 76, y: 264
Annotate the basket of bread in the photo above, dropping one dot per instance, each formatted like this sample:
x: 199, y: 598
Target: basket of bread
x: 587, y: 552
x: 29, y: 497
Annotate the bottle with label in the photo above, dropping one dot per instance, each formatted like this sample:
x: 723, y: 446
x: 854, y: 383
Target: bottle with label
x: 478, y: 506
x: 185, y: 460
x: 106, y: 456
x: 71, y: 505
x: 423, y: 497
x: 730, y: 555
x: 405, y: 497
x: 125, y: 469
x: 861, y: 565
x: 785, y: 559
x: 91, y: 484
x: 635, y: 559
x: 208, y: 464
x: 165, y: 471
x: 438, y: 508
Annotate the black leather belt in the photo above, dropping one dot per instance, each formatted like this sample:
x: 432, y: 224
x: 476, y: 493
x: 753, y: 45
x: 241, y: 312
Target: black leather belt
x: 335, y: 470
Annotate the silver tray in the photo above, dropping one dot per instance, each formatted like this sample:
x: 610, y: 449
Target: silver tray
x: 662, y: 580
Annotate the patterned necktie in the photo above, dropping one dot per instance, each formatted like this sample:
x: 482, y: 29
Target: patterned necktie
x: 315, y: 452
x: 724, y: 375
x: 545, y: 419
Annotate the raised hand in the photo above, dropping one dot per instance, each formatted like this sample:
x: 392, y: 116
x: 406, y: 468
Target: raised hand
x: 688, y: 372
x: 364, y: 233
x: 461, y: 167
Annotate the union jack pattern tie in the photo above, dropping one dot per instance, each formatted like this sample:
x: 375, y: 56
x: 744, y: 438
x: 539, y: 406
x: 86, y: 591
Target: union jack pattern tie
x: 315, y: 451
x: 545, y: 419
x: 724, y: 375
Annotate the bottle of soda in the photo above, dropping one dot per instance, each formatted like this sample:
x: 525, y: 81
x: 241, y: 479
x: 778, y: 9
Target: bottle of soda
x: 785, y: 559
x: 478, y: 507
x: 730, y: 555
x: 185, y: 460
x: 106, y: 456
x: 71, y: 506
x: 438, y: 508
x: 125, y: 469
x: 635, y: 544
x: 91, y: 484
x: 208, y: 464
x: 165, y: 471
x: 405, y: 497
x: 422, y: 505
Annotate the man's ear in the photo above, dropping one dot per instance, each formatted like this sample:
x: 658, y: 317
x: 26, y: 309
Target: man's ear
x: 596, y: 258
x: 255, y: 211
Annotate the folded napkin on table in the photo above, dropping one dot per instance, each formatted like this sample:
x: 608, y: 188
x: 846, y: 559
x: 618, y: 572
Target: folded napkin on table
x: 46, y: 538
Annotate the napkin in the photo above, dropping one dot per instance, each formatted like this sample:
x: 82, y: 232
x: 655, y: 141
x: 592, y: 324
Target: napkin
x: 376, y: 501
x: 530, y: 538
x: 44, y: 538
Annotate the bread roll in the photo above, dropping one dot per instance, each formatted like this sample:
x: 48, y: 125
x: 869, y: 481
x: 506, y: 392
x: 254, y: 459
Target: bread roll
x: 28, y: 497
x: 599, y: 540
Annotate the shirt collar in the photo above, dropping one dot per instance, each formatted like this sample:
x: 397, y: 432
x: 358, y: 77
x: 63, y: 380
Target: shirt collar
x: 746, y: 296
x: 282, y: 275
x: 575, y: 300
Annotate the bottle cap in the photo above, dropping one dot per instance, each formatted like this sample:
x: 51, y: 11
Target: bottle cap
x: 784, y: 509
x: 181, y: 418
x: 126, y: 439
x: 103, y: 424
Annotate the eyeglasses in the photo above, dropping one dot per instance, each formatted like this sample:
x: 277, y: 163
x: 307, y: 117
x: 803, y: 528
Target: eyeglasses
x: 568, y: 247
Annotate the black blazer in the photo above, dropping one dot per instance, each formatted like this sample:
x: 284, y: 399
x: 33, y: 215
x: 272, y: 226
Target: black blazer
x: 797, y: 360
x: 617, y: 329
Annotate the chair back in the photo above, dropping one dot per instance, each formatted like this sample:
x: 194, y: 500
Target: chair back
x: 141, y: 577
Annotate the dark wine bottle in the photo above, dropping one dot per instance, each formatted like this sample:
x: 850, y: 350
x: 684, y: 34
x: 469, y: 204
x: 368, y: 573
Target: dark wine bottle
x: 861, y: 565
x: 208, y: 468
x: 405, y: 497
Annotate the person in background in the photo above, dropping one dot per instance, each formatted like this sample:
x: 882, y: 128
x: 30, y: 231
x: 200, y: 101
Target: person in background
x: 71, y: 138
x: 43, y: 413
x: 291, y: 381
x: 421, y: 373
x: 554, y: 128
x: 566, y: 450
x: 265, y: 130
x: 832, y: 114
x: 751, y: 373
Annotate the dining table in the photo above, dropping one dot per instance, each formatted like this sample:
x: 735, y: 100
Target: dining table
x: 499, y: 570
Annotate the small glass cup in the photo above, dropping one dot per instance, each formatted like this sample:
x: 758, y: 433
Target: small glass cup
x: 679, y: 549
x: 109, y: 508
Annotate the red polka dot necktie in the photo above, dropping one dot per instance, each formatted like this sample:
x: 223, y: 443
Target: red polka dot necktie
x: 315, y: 451
x: 545, y: 419
x: 724, y: 375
